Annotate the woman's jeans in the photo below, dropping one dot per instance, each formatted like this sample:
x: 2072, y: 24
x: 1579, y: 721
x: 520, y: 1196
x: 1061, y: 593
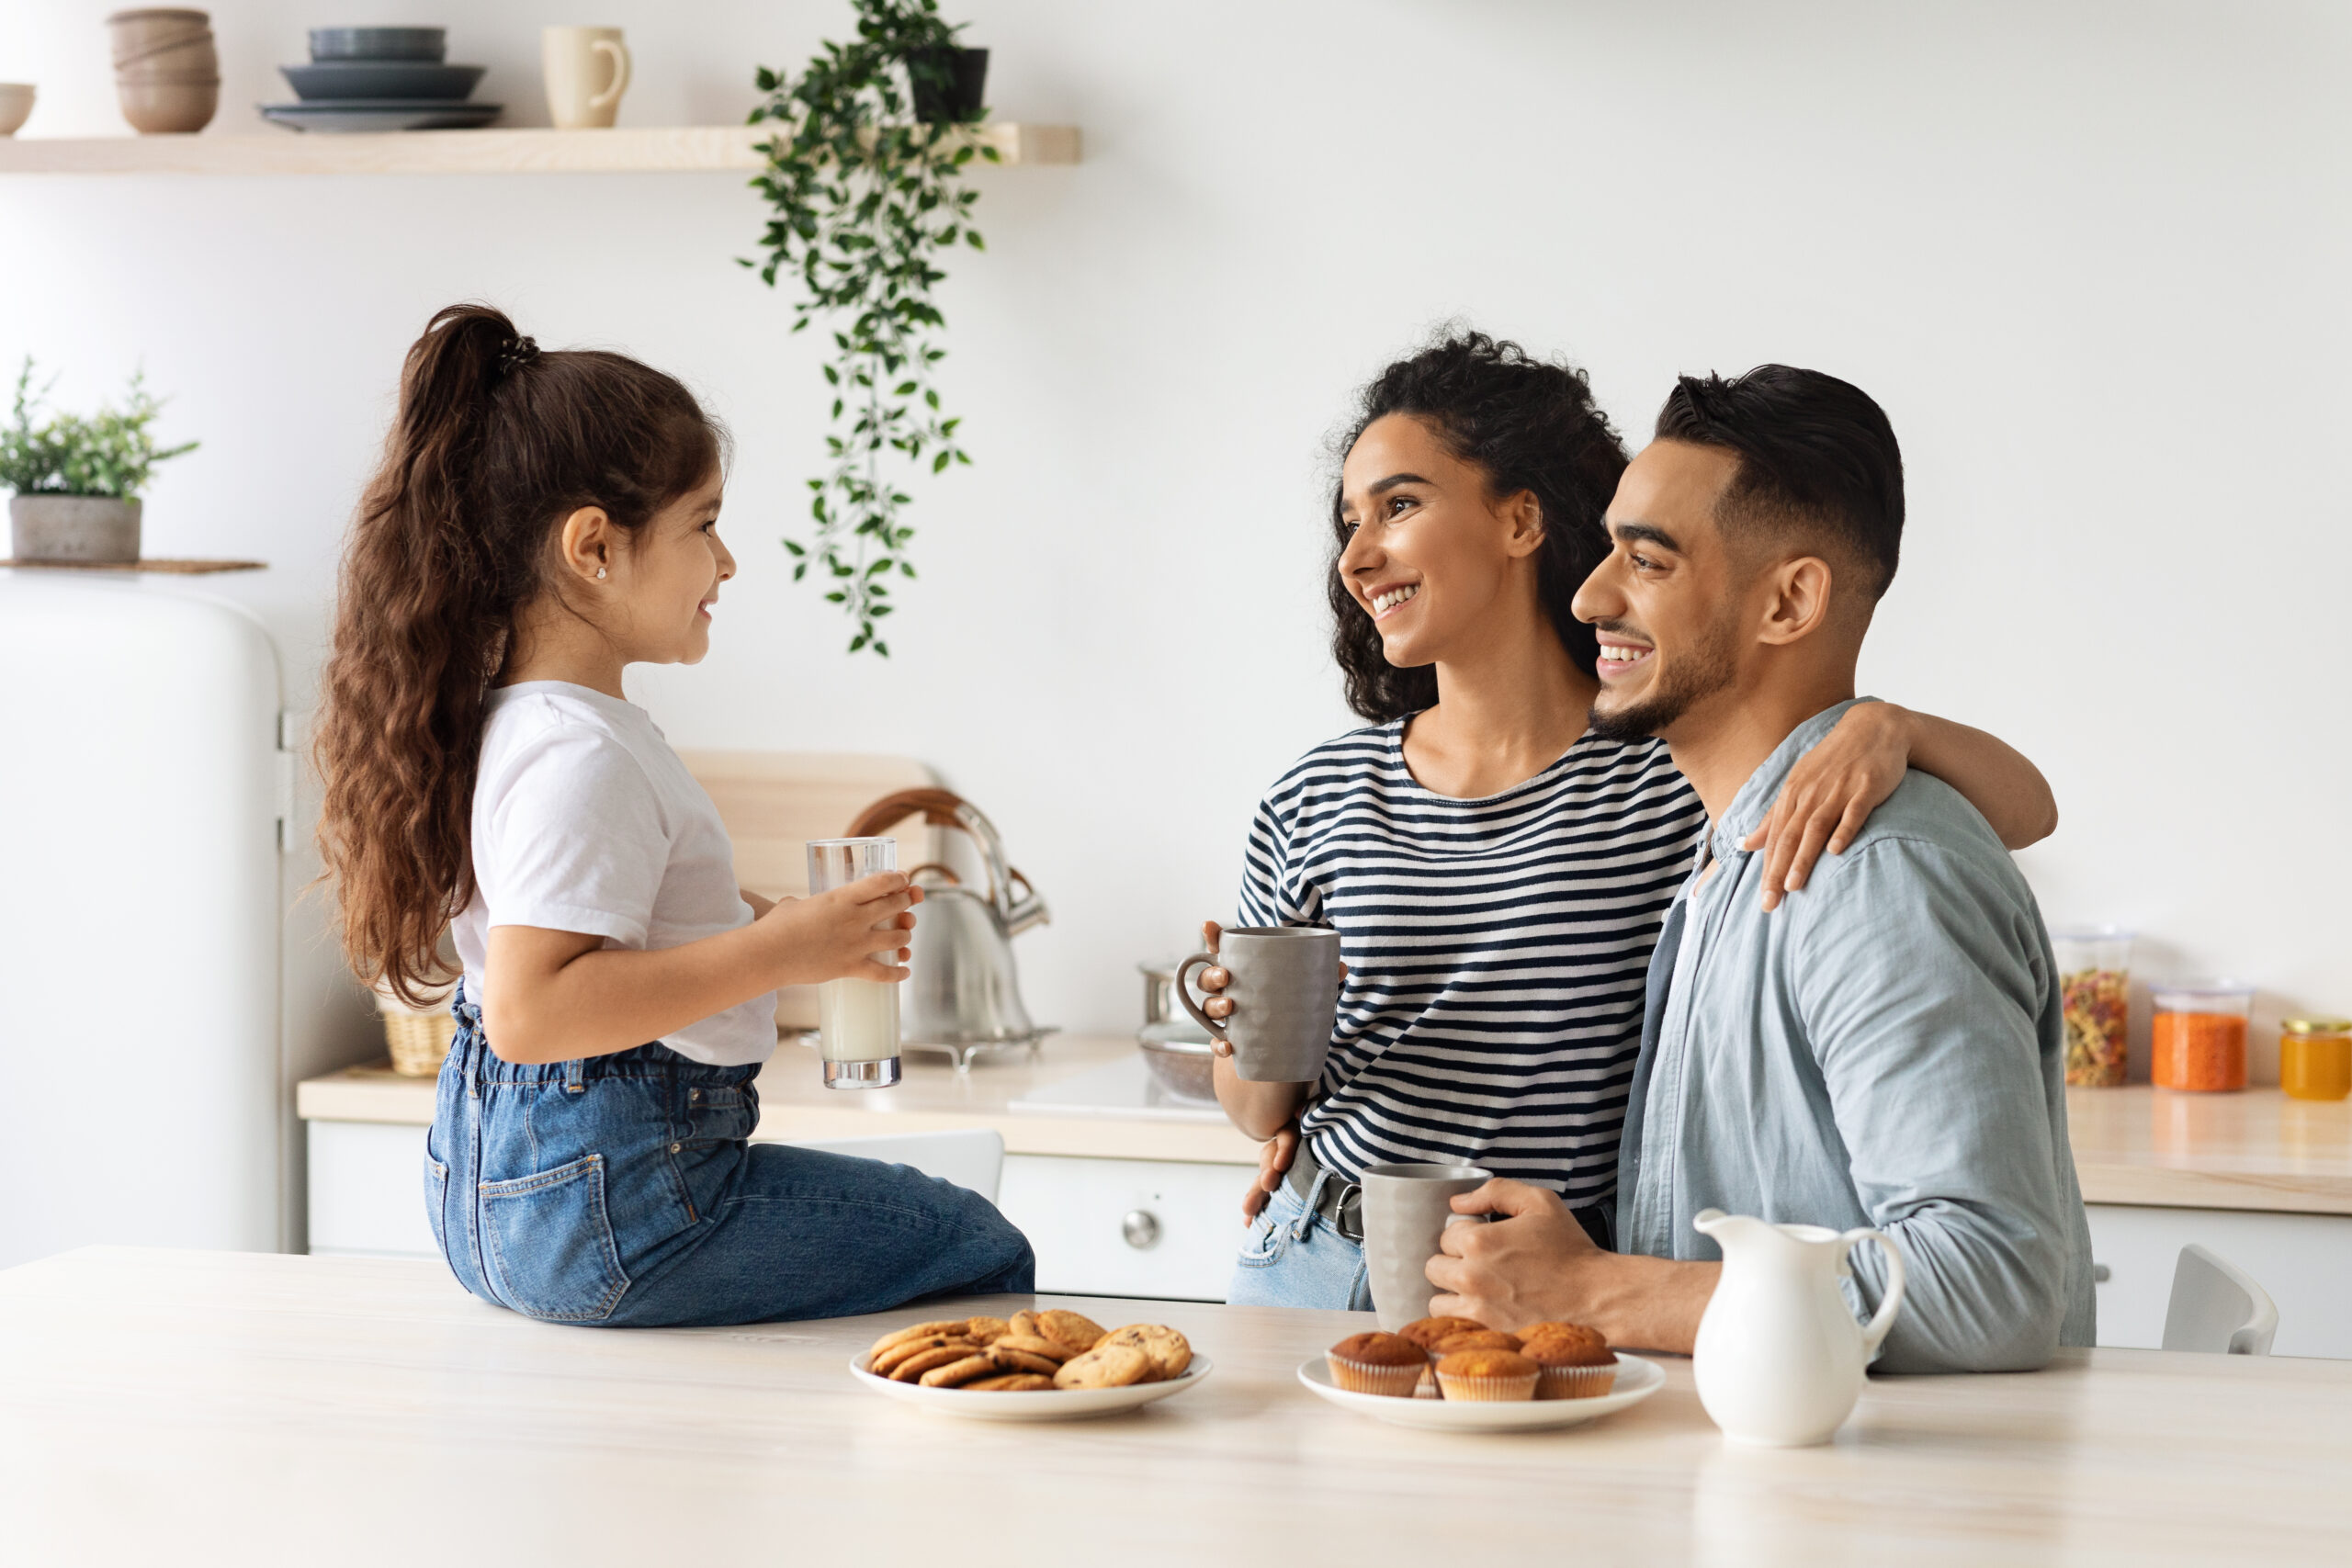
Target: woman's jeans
x: 620, y: 1190
x: 1294, y: 1258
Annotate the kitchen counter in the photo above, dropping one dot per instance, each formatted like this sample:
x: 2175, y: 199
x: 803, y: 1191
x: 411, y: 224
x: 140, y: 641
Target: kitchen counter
x: 794, y: 1105
x: 2254, y: 1151
x: 171, y: 1407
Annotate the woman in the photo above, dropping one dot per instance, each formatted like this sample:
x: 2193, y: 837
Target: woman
x: 1497, y: 874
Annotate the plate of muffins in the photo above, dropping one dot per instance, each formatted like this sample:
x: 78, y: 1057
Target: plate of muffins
x: 1034, y: 1366
x: 1456, y: 1374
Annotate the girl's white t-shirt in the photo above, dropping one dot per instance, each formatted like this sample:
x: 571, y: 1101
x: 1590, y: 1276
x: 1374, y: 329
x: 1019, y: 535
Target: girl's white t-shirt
x: 586, y: 820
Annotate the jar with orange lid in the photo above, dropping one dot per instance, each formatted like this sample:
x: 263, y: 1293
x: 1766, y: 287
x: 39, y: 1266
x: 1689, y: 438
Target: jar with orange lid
x: 2197, y: 1039
x: 2315, y: 1057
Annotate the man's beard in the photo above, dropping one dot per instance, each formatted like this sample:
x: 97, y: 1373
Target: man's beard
x: 1707, y: 668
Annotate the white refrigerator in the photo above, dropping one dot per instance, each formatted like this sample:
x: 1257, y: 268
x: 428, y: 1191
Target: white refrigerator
x: 148, y: 1049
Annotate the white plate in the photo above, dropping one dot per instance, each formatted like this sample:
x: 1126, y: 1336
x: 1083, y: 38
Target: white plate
x: 1636, y: 1381
x: 1060, y: 1404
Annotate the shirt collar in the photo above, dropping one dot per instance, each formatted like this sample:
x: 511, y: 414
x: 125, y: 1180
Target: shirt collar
x: 1754, y: 801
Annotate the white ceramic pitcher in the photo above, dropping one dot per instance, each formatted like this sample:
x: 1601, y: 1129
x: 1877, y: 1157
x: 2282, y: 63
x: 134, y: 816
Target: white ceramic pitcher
x: 1779, y: 1358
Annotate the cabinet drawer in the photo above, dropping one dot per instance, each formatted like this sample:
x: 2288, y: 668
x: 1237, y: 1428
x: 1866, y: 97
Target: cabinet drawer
x: 2303, y: 1262
x: 368, y: 1190
x: 1119, y: 1227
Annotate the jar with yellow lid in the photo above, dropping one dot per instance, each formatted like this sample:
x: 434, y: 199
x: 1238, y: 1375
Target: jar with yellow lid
x: 2315, y: 1057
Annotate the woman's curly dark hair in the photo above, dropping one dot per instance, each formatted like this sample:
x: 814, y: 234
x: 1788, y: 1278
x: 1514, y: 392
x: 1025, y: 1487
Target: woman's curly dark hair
x: 1531, y: 426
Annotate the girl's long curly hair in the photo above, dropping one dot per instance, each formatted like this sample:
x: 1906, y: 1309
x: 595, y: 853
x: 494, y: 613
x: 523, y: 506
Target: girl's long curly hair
x: 1532, y: 426
x: 495, y: 443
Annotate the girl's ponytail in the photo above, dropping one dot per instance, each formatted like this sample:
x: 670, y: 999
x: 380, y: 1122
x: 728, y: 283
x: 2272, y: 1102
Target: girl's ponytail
x: 494, y: 445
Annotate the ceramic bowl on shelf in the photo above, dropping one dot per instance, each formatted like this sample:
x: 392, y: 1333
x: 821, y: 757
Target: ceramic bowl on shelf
x: 379, y: 44
x: 15, y: 106
x: 343, y: 81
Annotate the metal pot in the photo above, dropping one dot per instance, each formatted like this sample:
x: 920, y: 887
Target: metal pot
x: 964, y: 992
x: 1174, y: 1047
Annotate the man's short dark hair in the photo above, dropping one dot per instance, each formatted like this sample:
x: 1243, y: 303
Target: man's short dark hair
x: 1816, y: 456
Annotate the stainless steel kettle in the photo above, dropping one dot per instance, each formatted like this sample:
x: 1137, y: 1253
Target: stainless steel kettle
x: 963, y: 994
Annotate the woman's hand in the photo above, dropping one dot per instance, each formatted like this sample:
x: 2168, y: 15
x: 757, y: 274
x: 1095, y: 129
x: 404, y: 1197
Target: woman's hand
x: 1834, y: 788
x: 1273, y: 1163
x: 844, y: 934
x: 1213, y: 979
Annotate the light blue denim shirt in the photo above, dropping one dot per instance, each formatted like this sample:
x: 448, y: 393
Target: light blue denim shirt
x: 1883, y: 1050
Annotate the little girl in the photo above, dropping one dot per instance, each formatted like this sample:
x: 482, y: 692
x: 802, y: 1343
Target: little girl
x: 542, y: 521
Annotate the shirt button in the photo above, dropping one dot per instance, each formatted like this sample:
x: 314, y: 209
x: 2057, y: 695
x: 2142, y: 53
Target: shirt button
x: 675, y: 1147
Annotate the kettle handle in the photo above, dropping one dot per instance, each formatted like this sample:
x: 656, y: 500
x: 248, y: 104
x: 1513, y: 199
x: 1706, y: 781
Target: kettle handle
x: 938, y: 807
x: 1874, y: 1331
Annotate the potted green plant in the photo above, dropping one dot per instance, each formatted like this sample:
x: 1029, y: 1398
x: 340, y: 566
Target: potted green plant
x: 865, y: 180
x: 77, y: 481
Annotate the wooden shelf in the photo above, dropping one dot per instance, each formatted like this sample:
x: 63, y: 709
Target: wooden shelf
x: 683, y: 149
x: 166, y: 565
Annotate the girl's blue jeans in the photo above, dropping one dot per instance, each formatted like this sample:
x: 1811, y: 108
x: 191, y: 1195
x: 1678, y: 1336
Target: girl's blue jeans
x: 1291, y: 1257
x: 620, y: 1190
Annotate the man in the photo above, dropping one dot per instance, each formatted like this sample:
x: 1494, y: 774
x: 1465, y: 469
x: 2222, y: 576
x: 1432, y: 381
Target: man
x: 1884, y: 1047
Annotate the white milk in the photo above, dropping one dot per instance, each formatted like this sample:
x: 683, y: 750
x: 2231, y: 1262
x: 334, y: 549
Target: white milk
x: 858, y: 1020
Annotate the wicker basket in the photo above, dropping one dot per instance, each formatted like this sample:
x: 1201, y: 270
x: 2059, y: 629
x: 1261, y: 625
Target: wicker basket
x: 418, y: 1041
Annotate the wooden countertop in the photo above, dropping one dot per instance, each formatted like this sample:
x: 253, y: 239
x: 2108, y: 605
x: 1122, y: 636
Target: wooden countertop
x: 2254, y: 1150
x: 178, y: 1406
x: 795, y: 1104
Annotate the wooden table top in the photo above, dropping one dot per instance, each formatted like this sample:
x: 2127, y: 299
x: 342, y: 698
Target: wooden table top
x: 187, y: 1406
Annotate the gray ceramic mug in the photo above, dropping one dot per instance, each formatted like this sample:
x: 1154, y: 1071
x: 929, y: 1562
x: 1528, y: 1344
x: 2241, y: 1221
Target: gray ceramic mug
x: 1285, y: 995
x: 1406, y: 1208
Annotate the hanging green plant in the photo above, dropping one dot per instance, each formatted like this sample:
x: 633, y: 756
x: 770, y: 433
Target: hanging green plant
x: 866, y: 183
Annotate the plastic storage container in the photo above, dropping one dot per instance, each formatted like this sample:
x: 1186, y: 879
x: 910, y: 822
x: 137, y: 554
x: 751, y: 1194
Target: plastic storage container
x: 2198, y: 1041
x: 2315, y: 1057
x: 2094, y: 978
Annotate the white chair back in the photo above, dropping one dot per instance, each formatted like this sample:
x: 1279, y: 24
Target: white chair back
x: 2217, y: 1307
x: 973, y: 1158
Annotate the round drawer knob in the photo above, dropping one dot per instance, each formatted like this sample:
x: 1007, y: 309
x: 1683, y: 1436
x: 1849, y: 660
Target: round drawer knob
x: 1141, y: 1228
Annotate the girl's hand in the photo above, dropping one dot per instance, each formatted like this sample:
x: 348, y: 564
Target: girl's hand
x: 1830, y: 793
x: 1273, y: 1163
x: 849, y: 933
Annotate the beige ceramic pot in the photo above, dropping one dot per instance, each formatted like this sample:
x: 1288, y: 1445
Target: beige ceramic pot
x: 15, y: 105
x: 73, y: 528
x: 166, y: 71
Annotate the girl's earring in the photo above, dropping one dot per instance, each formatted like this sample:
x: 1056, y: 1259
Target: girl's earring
x: 600, y: 574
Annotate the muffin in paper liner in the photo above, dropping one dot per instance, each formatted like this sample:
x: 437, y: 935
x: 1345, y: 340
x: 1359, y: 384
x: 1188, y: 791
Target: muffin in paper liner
x: 1575, y: 1382
x: 1490, y: 1376
x: 1364, y: 1377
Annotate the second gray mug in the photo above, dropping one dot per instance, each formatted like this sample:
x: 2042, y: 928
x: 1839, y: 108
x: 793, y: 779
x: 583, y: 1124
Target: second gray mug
x: 1406, y: 1208
x: 1285, y: 995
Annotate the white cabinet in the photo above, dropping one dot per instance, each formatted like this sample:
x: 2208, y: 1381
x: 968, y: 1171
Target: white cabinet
x: 1120, y: 1227
x: 2303, y: 1261
x: 368, y: 1190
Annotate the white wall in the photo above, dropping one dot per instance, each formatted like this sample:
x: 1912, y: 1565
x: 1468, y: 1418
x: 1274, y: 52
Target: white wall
x: 2091, y: 257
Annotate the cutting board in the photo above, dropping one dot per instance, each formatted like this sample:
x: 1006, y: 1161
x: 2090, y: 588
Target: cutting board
x: 774, y: 802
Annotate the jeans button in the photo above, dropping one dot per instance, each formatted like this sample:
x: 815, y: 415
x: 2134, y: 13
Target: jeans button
x: 675, y: 1147
x: 694, y: 1094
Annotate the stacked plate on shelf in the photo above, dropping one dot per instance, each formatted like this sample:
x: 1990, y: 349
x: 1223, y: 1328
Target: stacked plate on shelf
x: 380, y: 79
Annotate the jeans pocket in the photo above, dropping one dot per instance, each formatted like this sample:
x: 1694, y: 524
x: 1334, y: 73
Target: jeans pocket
x: 1268, y: 1239
x: 436, y: 1198
x: 551, y: 1252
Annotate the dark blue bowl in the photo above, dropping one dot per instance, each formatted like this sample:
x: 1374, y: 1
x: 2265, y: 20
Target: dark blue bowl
x: 347, y: 79
x: 379, y: 44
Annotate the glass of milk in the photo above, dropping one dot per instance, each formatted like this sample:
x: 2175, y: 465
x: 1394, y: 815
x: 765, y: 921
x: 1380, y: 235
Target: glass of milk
x: 857, y: 1020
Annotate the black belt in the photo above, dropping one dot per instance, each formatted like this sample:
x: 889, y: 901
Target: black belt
x: 1341, y: 1203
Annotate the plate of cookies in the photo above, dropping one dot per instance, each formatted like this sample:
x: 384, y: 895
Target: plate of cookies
x: 1456, y: 1374
x: 1034, y: 1366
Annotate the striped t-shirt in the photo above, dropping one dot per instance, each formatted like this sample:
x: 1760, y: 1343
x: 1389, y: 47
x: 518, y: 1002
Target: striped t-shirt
x: 1496, y: 950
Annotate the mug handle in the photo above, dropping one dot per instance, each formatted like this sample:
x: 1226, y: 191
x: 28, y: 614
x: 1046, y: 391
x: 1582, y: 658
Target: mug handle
x: 1184, y: 995
x: 1874, y: 1331
x: 611, y: 95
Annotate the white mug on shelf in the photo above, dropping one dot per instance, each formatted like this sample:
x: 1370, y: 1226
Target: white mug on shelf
x: 587, y: 71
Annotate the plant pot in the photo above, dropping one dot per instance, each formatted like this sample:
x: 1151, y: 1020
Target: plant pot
x: 168, y: 108
x: 967, y: 69
x: 73, y: 528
